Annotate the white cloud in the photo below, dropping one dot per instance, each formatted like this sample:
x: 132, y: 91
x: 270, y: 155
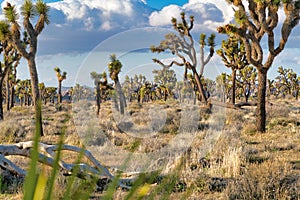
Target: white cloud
x: 72, y: 9
x: 90, y: 11
x: 75, y: 9
x: 106, y: 26
x: 208, y: 14
x: 163, y: 17
x: 221, y: 5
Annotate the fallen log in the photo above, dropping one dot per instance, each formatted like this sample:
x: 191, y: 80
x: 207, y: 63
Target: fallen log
x: 47, y: 157
x: 231, y: 106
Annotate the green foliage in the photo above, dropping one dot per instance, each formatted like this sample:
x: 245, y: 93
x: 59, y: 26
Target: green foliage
x: 28, y: 10
x: 202, y: 39
x: 4, y: 31
x: 10, y: 13
x: 165, y: 77
x: 233, y: 53
x: 211, y: 40
x: 114, y: 67
x: 240, y: 17
x: 287, y: 82
x: 60, y: 76
x: 43, y: 9
x: 246, y: 82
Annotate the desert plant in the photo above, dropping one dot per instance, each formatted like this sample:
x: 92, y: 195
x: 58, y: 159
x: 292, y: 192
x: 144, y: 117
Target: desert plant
x: 28, y: 11
x: 60, y: 77
x: 182, y: 45
x: 269, y: 180
x: 11, y: 60
x: 287, y: 82
x: 114, y: 68
x: 258, y: 20
x: 233, y: 55
x: 246, y: 81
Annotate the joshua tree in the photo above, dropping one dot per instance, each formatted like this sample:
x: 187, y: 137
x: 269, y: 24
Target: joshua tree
x: 23, y: 91
x: 50, y: 93
x: 222, y: 85
x: 42, y: 89
x: 77, y: 92
x: 114, y: 68
x: 28, y: 12
x: 182, y: 45
x: 246, y: 81
x: 288, y: 82
x: 233, y: 55
x: 105, y: 88
x: 11, y: 59
x: 96, y: 77
x: 258, y: 20
x: 165, y: 77
x: 60, y: 77
x: 283, y: 81
x: 295, y: 87
x: 211, y: 44
x: 11, y: 82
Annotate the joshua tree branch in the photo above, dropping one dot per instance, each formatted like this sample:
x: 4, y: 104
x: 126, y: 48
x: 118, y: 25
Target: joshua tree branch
x: 47, y: 157
x: 165, y: 66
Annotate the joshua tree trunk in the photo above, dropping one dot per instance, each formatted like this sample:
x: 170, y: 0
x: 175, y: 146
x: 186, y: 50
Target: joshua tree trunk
x: 233, y: 86
x: 36, y: 98
x: 7, y: 94
x: 12, y: 96
x: 246, y: 93
x: 199, y: 85
x: 1, y: 103
x: 261, y: 104
x: 98, y: 99
x: 121, y: 96
x: 59, y: 97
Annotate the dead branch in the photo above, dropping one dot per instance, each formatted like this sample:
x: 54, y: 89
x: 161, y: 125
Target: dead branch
x: 47, y: 157
x: 231, y: 106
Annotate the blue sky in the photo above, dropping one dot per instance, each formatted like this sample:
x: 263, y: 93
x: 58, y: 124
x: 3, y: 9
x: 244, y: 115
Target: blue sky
x: 158, y: 4
x: 83, y: 33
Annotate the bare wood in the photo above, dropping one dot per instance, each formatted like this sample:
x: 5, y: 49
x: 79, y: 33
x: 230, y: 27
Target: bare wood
x: 47, y: 156
x: 230, y: 105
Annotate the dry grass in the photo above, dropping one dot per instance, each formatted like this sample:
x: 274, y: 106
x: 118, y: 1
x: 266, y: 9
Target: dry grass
x: 227, y: 158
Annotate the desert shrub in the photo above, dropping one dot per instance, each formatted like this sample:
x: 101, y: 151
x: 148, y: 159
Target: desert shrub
x: 235, y: 116
x: 10, y: 132
x: 270, y: 180
x: 249, y: 129
x: 10, y: 183
x: 276, y: 111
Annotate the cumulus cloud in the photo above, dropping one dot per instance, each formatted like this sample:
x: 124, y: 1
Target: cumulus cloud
x: 104, y: 15
x: 75, y: 9
x: 208, y: 14
x: 163, y: 17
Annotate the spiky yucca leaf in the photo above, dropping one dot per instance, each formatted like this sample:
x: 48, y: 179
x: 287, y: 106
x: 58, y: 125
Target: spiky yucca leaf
x: 56, y: 69
x: 64, y: 75
x: 114, y: 67
x: 4, y: 30
x: 211, y: 40
x: 43, y: 9
x: 11, y: 14
x: 202, y: 39
x: 43, y: 12
x: 27, y: 10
